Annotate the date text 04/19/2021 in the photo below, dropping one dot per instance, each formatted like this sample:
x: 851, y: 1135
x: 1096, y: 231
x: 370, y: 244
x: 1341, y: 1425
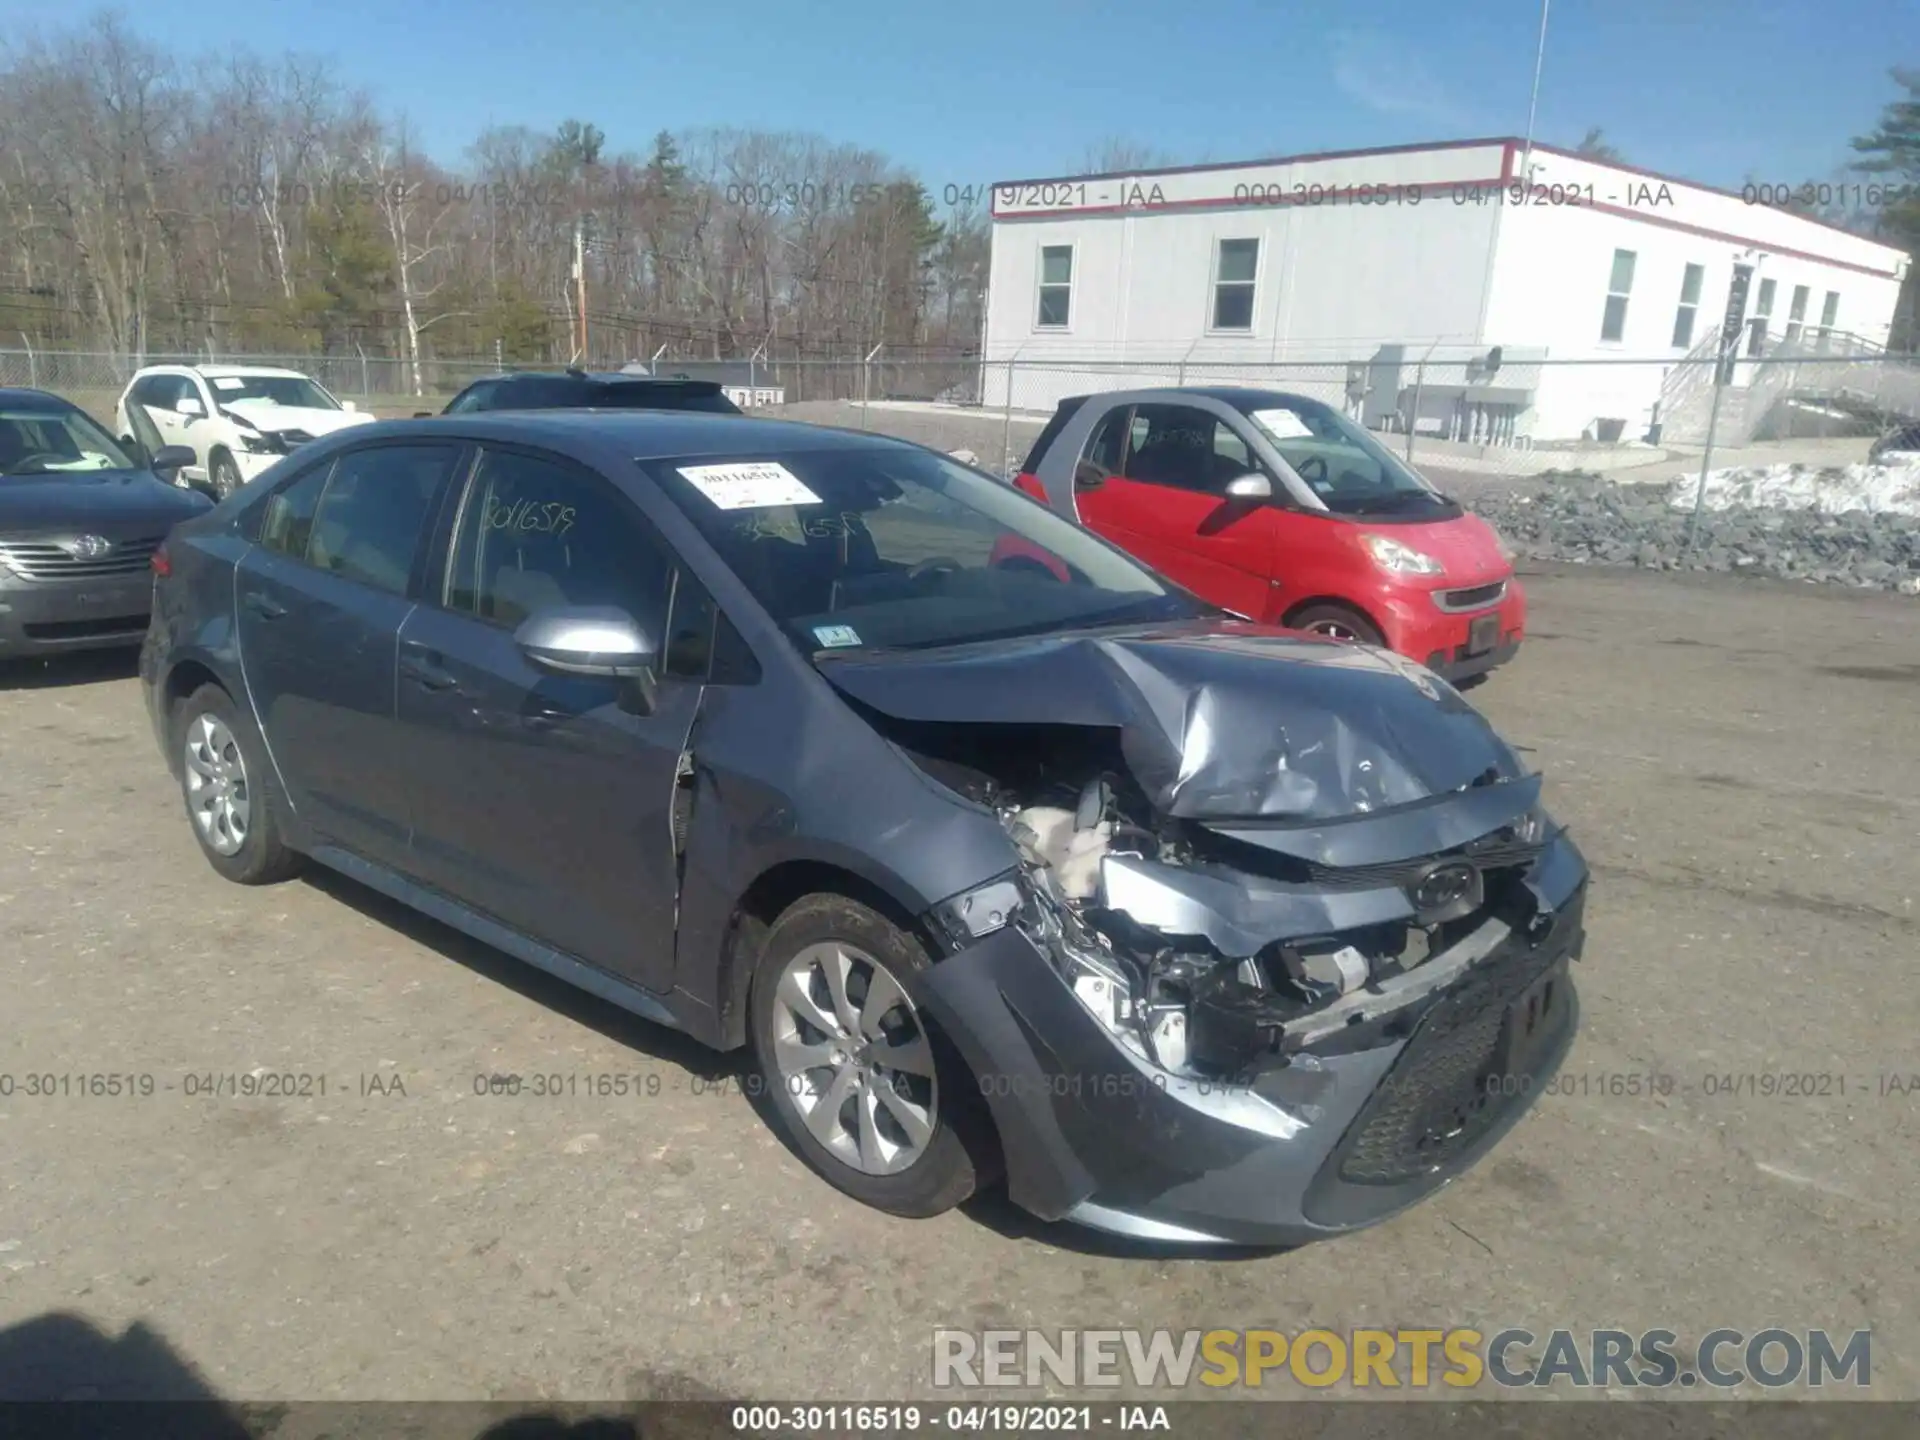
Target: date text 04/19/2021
x: 1005, y: 1419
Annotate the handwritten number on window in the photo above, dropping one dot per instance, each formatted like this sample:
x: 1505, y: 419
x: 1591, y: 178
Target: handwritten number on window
x: 527, y: 517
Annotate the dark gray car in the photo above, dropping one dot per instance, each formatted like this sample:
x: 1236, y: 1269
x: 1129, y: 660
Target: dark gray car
x: 1194, y: 929
x: 81, y: 515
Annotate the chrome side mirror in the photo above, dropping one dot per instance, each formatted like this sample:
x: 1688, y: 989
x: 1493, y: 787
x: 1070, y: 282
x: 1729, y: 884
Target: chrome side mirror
x: 595, y: 640
x: 1250, y: 487
x: 587, y: 640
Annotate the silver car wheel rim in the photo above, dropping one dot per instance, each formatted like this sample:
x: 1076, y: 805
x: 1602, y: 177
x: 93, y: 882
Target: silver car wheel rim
x: 217, y: 793
x: 1333, y: 630
x: 854, y: 1059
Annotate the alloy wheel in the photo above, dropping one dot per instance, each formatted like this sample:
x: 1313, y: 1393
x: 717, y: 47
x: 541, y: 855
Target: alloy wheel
x: 854, y: 1058
x: 1333, y: 630
x: 216, y: 779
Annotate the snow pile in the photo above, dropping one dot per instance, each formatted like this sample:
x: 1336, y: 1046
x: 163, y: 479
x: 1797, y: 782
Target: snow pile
x: 1890, y: 488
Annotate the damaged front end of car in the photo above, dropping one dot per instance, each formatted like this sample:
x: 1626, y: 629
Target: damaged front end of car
x: 1308, y: 903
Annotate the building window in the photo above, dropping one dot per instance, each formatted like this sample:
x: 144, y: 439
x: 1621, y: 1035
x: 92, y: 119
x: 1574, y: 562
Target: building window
x: 1056, y: 286
x: 1796, y: 313
x: 1757, y: 326
x: 1829, y: 314
x: 1689, y: 304
x: 1236, y: 262
x: 1619, y: 287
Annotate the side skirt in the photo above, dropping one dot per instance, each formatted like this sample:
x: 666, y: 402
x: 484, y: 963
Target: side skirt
x: 578, y: 973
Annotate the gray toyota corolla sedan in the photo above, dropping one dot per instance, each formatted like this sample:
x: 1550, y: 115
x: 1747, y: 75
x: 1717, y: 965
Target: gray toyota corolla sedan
x: 1190, y: 928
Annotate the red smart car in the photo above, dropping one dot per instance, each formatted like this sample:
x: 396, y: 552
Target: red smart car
x: 1283, y: 510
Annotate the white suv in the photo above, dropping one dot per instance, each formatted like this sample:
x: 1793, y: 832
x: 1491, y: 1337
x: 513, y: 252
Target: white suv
x: 237, y: 419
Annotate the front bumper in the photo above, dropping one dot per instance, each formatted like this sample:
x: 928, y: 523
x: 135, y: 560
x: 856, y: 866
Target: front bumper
x: 1342, y: 1136
x: 1443, y: 640
x: 52, y: 617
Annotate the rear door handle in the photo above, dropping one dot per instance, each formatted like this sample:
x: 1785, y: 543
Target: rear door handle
x: 264, y: 606
x: 428, y: 673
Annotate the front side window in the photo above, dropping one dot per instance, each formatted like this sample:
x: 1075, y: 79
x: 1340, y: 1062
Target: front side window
x: 268, y: 391
x: 1613, y: 324
x: 537, y: 532
x: 1236, y: 264
x: 1056, y: 287
x: 1349, y: 471
x: 1690, y: 283
x: 1185, y: 448
x: 886, y: 546
x: 36, y: 441
x: 374, y: 509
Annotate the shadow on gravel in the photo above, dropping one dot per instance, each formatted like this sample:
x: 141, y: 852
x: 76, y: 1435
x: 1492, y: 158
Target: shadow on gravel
x: 88, y: 667
x: 64, y: 1378
x: 536, y: 985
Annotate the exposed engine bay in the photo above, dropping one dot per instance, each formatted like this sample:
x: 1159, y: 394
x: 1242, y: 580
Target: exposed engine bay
x: 1231, y: 860
x: 1208, y: 954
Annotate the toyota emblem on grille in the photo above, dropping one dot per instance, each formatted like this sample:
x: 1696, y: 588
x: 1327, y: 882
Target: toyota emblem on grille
x: 1446, y: 890
x: 89, y: 547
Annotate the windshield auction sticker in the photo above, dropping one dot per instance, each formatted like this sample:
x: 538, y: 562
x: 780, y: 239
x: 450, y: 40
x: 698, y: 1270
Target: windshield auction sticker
x: 1282, y: 424
x: 751, y: 486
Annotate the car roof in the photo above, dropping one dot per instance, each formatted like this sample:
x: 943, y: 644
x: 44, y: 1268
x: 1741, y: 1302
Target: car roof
x: 1241, y: 397
x: 640, y: 434
x: 211, y: 370
x: 26, y: 399
x: 597, y: 377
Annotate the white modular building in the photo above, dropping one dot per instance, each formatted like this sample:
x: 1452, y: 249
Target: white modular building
x: 1484, y: 290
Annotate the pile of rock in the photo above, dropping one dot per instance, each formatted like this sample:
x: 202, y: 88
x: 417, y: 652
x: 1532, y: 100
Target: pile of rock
x: 1582, y: 518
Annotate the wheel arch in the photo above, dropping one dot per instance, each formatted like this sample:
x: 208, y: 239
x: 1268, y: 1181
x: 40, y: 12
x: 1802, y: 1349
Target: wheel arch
x: 1338, y: 602
x: 769, y: 895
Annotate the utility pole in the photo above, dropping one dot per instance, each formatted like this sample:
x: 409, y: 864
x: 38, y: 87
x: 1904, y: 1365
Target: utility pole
x: 580, y: 281
x: 1533, y: 103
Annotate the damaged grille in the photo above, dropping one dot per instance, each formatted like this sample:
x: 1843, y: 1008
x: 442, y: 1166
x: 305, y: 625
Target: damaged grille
x: 1445, y: 1090
x: 1491, y: 855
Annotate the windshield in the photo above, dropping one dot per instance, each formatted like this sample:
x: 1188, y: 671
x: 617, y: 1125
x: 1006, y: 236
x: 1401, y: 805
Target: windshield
x: 1351, y: 472
x: 902, y: 549
x: 290, y: 390
x: 44, y: 442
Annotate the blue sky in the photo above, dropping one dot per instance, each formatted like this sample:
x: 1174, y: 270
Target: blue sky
x: 993, y: 89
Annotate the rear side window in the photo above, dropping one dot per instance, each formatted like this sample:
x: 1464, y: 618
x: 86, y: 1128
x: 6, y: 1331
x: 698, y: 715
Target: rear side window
x: 288, y: 522
x: 370, y: 518
x: 475, y: 397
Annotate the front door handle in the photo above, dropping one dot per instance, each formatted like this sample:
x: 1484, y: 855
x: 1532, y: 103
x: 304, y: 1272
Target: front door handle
x: 265, y: 606
x: 428, y: 674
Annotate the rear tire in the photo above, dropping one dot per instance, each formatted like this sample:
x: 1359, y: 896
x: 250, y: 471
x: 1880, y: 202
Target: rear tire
x: 829, y: 1010
x: 1336, y: 622
x: 228, y: 790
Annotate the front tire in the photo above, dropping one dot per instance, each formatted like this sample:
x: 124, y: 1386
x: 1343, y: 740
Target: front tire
x: 223, y: 476
x: 872, y: 1098
x: 1337, y: 622
x: 228, y: 792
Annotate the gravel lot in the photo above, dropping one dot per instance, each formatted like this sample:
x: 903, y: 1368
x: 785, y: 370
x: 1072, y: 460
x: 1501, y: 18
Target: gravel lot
x: 1737, y: 758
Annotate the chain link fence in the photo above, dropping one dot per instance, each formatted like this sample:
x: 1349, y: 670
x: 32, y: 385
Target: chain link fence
x: 1513, y: 412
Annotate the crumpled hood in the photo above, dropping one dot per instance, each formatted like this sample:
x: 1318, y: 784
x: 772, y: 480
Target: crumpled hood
x: 275, y: 418
x: 1217, y: 720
